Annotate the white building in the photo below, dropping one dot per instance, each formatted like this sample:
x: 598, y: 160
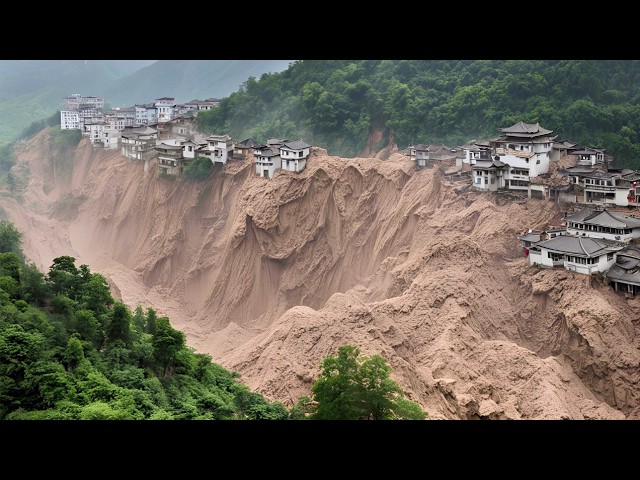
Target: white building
x: 138, y: 143
x: 294, y: 155
x: 77, y: 101
x: 526, y: 149
x: 489, y: 174
x: 575, y: 253
x: 165, y: 107
x: 219, y: 148
x: 624, y: 274
x: 267, y: 160
x: 598, y: 223
x: 69, y: 120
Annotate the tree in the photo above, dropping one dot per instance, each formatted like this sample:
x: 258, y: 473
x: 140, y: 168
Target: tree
x: 167, y: 342
x: 358, y: 387
x: 119, y: 326
x: 10, y: 238
x: 198, y: 169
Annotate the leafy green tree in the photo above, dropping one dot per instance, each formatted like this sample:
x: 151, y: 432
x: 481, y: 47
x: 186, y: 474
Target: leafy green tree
x: 152, y: 320
x: 119, y: 326
x: 167, y: 343
x: 10, y: 264
x: 33, y: 287
x: 10, y: 238
x: 64, y: 277
x: 139, y: 320
x: 198, y: 169
x: 357, y: 387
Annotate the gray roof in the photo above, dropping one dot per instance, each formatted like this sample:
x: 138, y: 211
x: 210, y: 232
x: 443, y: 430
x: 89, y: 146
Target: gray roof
x: 604, y: 218
x: 530, y: 237
x: 619, y: 274
x: 267, y: 152
x: 580, y: 246
x: 489, y: 164
x: 522, y: 129
x: 169, y: 147
x: 223, y: 138
x: 297, y: 145
x: 580, y: 170
x: 588, y: 151
x: 566, y: 144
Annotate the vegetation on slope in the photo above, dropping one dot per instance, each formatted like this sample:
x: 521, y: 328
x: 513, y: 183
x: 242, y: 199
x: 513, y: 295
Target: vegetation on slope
x: 70, y: 351
x: 338, y: 103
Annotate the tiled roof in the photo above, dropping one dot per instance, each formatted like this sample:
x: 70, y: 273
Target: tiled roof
x: 267, y: 152
x: 620, y: 274
x: 580, y: 170
x: 604, y: 218
x: 630, y: 252
x: 530, y: 237
x: 580, y: 246
x: 489, y: 164
x: 169, y: 147
x: 297, y: 145
x: 522, y: 129
x: 219, y: 138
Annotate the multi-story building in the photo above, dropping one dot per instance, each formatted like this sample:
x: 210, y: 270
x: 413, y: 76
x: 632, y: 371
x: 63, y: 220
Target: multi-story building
x: 219, y: 148
x: 138, y: 143
x: 524, y: 152
x: 165, y: 107
x: 293, y: 155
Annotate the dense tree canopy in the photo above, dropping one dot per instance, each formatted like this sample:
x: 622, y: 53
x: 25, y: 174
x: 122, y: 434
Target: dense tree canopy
x: 337, y: 103
x: 68, y: 350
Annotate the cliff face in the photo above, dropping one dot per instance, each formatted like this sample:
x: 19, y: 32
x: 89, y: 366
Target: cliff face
x: 271, y: 276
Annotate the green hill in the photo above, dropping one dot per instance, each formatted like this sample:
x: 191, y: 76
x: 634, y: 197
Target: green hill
x: 338, y: 104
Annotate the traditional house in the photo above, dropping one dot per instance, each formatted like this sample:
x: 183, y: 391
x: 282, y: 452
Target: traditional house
x: 195, y: 106
x: 294, y: 155
x: 525, y: 148
x: 138, y: 143
x: 561, y: 148
x: 422, y: 153
x: 589, y: 156
x: 267, y: 160
x: 170, y: 159
x: 219, y: 148
x: 534, y: 236
x: 489, y: 174
x: 180, y: 127
x: 575, y: 253
x: 624, y: 274
x: 602, y: 223
x: 477, y: 151
x: 243, y: 148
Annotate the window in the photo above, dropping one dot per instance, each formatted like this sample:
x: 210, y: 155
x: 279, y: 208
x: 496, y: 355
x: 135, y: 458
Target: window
x: 609, y: 257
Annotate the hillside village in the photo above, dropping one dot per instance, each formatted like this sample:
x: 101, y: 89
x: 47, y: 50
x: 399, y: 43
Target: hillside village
x: 526, y: 159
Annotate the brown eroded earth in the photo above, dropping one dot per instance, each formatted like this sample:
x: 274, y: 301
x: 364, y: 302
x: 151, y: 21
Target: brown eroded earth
x: 271, y: 276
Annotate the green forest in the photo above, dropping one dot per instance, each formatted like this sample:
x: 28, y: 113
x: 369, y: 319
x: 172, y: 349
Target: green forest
x: 336, y: 104
x: 70, y: 351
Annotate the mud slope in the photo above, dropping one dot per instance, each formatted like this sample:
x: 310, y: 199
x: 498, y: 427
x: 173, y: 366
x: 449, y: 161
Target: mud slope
x: 270, y: 276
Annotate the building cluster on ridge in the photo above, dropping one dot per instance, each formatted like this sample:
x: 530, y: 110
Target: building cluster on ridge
x: 524, y: 159
x: 167, y: 131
